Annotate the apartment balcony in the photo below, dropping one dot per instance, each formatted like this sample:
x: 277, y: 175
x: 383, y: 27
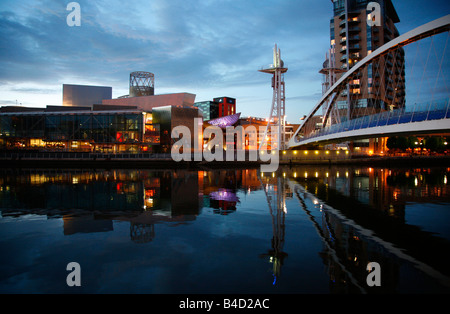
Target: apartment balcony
x: 355, y: 47
x: 343, y: 49
x: 354, y: 29
x: 355, y: 38
x: 355, y: 57
x: 342, y: 32
x: 344, y: 58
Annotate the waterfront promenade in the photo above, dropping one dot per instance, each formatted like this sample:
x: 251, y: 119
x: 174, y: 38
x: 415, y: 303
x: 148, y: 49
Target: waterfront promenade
x: 287, y: 157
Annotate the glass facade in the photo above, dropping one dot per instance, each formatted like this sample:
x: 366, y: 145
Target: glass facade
x: 209, y: 109
x: 75, y: 131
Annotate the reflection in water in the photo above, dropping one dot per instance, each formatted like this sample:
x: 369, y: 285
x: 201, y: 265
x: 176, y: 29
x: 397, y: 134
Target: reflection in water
x: 363, y: 220
x: 359, y: 214
x: 276, y: 193
x: 377, y: 199
x: 224, y: 201
x: 89, y: 201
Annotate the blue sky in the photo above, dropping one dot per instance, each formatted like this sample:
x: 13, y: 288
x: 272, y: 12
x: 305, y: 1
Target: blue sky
x: 210, y: 48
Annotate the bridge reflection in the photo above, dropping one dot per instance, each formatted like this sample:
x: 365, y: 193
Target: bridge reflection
x: 358, y: 212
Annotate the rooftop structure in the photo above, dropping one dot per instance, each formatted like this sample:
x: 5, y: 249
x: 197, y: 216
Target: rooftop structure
x: 142, y: 84
x: 85, y: 95
x: 147, y: 103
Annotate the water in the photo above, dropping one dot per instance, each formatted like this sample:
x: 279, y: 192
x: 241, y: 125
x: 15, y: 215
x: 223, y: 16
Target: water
x: 301, y: 230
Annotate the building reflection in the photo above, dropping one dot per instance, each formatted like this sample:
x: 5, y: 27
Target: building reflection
x: 219, y: 188
x: 89, y: 201
x: 358, y: 212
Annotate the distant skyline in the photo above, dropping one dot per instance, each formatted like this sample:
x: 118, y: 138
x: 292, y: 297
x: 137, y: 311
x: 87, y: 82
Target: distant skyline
x: 210, y: 48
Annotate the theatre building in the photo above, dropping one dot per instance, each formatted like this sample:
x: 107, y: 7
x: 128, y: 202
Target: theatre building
x: 123, y: 125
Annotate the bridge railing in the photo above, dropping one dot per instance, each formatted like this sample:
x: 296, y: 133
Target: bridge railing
x: 419, y: 112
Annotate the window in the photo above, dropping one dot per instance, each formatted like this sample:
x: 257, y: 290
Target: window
x: 339, y: 6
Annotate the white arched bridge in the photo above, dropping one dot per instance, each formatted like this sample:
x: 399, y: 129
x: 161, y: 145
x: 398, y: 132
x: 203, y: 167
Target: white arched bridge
x: 379, y: 79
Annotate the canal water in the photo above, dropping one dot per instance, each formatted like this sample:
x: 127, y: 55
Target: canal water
x: 300, y: 230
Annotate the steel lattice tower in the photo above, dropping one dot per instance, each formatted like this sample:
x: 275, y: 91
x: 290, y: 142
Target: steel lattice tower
x: 142, y: 84
x: 277, y: 111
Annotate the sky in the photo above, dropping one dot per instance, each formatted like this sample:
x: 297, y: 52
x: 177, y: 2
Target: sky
x: 210, y: 48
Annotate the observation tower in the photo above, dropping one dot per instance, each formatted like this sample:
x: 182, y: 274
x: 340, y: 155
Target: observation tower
x: 277, y: 111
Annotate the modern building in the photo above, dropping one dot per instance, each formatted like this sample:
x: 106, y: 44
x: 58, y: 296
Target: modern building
x: 168, y: 117
x: 380, y: 86
x: 209, y: 109
x: 103, y: 131
x: 227, y: 106
x: 219, y: 107
x: 90, y: 121
x: 85, y: 95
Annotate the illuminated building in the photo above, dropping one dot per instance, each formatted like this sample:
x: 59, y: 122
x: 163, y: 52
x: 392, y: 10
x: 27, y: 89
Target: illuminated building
x: 90, y: 121
x: 209, y: 109
x: 352, y: 39
x: 380, y: 86
x: 219, y: 107
x: 227, y: 106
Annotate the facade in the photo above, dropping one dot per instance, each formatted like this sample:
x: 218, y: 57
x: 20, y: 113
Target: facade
x: 85, y: 95
x: 108, y: 130
x: 209, y: 109
x: 91, y: 121
x: 227, y: 106
x: 168, y: 117
x: 260, y: 125
x: 380, y: 86
x: 81, y: 131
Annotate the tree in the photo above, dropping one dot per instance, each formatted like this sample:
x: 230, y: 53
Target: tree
x: 412, y: 140
x: 391, y: 143
x: 435, y: 143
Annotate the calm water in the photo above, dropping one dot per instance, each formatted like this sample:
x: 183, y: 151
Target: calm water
x: 300, y: 230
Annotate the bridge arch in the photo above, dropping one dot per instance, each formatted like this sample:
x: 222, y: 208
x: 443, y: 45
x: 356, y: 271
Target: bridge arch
x: 432, y: 28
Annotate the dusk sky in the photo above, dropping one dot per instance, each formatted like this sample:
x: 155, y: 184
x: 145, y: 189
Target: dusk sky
x: 210, y: 48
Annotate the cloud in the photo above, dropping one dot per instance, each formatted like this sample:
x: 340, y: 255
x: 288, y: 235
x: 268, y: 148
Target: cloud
x: 207, y: 47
